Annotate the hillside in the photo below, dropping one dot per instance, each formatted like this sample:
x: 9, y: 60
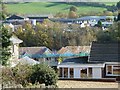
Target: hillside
x: 50, y: 8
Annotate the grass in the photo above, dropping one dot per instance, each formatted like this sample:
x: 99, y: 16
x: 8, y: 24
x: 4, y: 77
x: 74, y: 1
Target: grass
x: 110, y: 3
x: 47, y: 8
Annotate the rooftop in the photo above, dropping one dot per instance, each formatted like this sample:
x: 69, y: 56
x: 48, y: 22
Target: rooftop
x: 105, y: 52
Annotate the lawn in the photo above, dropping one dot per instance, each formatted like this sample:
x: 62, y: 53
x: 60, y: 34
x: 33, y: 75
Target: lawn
x: 48, y: 8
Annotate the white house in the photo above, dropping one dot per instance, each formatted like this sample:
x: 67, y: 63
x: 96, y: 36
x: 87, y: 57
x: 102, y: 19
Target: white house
x: 14, y: 49
x: 102, y: 63
x: 79, y: 68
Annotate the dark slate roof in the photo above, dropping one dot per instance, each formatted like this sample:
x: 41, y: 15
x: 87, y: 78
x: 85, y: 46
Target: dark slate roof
x: 77, y: 60
x: 82, y: 18
x: 14, y: 17
x: 38, y: 17
x: 105, y: 52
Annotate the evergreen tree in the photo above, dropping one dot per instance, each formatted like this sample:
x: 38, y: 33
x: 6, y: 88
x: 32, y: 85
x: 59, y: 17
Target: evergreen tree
x: 118, y: 5
x: 3, y: 13
x: 5, y: 49
x: 99, y: 24
x: 118, y: 17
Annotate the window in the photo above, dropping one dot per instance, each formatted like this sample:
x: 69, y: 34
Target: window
x: 71, y: 73
x: 84, y: 73
x: 89, y: 72
x: 113, y: 70
x: 116, y: 70
x: 60, y: 72
x: 109, y: 69
x: 65, y: 72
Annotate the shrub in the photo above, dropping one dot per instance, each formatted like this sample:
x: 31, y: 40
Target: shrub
x: 7, y: 77
x: 43, y: 74
x: 21, y: 74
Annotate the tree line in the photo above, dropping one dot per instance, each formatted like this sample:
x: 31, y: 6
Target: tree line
x: 55, y: 35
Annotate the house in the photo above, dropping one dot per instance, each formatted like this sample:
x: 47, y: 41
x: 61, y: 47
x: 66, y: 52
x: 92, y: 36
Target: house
x: 38, y: 18
x: 87, y: 20
x: 41, y: 54
x: 107, y: 53
x: 14, y: 49
x: 102, y: 63
x: 15, y: 46
x: 73, y: 51
x: 15, y: 19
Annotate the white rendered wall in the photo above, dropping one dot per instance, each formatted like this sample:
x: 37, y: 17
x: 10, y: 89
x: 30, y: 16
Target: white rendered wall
x: 16, y: 51
x: 96, y: 72
x: 76, y: 72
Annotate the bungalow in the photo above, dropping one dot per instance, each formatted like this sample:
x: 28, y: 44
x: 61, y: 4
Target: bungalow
x: 41, y: 54
x: 103, y: 62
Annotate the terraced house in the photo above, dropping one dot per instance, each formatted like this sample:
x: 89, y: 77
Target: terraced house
x: 103, y: 62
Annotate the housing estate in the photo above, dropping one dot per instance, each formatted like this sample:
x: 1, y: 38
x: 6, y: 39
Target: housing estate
x: 88, y: 20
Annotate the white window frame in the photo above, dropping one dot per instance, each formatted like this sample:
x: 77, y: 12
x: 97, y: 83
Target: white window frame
x: 112, y: 70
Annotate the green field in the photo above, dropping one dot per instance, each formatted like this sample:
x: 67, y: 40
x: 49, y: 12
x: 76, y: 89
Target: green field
x: 110, y: 3
x: 48, y: 8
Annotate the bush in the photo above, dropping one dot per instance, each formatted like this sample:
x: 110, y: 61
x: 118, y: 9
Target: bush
x: 43, y: 74
x: 7, y: 76
x: 21, y: 73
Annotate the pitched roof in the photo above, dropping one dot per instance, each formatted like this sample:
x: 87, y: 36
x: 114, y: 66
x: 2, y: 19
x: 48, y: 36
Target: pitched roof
x: 36, y: 17
x: 33, y: 50
x: 15, y: 40
x: 95, y: 17
x: 14, y: 17
x: 76, y: 60
x: 104, y: 52
x: 74, y: 49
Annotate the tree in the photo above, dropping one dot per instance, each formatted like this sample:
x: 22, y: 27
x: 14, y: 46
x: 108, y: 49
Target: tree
x: 99, y: 24
x: 112, y: 34
x: 118, y: 17
x: 6, y: 34
x: 3, y: 13
x: 115, y: 31
x: 21, y: 74
x: 72, y: 14
x: 104, y: 36
x: 73, y: 8
x: 118, y: 5
x: 108, y: 13
x: 43, y: 74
